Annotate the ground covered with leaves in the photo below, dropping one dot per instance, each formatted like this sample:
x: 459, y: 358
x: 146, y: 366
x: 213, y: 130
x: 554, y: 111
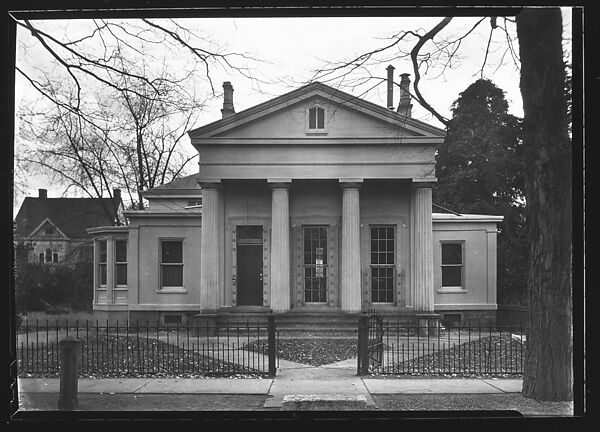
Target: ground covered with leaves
x: 111, y: 356
x: 314, y: 351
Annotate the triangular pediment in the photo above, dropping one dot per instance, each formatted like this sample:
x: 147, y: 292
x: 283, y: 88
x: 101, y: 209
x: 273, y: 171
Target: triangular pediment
x: 48, y: 229
x: 346, y: 116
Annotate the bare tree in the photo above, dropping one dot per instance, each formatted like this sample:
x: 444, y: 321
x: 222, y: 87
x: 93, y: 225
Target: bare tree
x: 126, y: 109
x: 548, y: 368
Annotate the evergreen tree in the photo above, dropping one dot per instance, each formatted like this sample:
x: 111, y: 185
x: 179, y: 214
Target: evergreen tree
x: 480, y: 170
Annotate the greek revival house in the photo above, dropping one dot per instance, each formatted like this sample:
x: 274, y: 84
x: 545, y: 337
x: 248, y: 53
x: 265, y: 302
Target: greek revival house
x: 314, y: 201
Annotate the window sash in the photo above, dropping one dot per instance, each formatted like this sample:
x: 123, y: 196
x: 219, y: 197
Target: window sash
x: 171, y: 266
x: 452, y: 264
x: 316, y: 119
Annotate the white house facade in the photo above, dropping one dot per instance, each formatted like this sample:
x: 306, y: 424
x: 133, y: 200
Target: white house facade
x: 315, y: 201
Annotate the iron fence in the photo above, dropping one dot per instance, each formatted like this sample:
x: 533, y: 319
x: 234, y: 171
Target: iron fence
x: 150, y: 349
x: 471, y: 349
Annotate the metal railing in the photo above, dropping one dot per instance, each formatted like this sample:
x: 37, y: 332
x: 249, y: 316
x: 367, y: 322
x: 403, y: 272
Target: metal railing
x: 471, y: 349
x: 150, y: 349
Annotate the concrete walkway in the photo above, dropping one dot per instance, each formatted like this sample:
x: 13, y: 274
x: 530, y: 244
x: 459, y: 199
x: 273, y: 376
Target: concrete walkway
x: 292, y: 379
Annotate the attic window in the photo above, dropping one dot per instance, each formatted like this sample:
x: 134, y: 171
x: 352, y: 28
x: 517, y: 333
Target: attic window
x: 315, y: 119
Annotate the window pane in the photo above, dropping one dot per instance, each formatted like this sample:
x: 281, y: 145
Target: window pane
x: 451, y: 253
x: 102, y: 245
x: 102, y: 274
x: 172, y: 251
x: 312, y: 118
x: 249, y: 232
x: 452, y: 276
x: 320, y: 118
x: 121, y: 251
x: 172, y: 276
x: 121, y: 274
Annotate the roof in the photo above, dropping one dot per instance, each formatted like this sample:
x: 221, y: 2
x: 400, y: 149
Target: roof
x: 71, y: 216
x: 448, y: 217
x: 315, y: 88
x: 187, y: 186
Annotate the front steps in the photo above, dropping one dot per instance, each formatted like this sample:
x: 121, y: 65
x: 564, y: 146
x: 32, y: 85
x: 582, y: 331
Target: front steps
x: 306, y: 323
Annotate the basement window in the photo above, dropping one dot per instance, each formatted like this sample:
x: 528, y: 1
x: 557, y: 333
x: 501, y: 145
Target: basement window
x: 172, y: 319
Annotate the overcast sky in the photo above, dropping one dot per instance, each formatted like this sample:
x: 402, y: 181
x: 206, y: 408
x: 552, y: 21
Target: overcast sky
x: 295, y: 47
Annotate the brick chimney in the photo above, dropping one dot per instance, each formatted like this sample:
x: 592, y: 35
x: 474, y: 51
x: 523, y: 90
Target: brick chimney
x: 390, y: 87
x: 228, y: 109
x: 42, y: 193
x: 405, y: 107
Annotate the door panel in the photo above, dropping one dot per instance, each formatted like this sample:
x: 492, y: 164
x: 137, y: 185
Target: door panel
x: 249, y: 275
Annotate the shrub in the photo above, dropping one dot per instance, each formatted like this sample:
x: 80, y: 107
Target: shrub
x: 54, y: 288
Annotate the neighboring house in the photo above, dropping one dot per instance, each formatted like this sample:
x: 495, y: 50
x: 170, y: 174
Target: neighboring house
x: 54, y: 229
x: 313, y: 202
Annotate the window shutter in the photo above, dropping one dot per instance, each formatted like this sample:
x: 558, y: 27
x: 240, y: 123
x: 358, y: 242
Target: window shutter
x: 233, y: 265
x: 298, y: 267
x: 332, y: 236
x: 365, y: 247
x: 266, y: 265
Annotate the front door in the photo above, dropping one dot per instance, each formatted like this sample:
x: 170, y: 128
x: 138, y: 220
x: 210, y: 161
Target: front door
x: 315, y: 264
x: 249, y: 265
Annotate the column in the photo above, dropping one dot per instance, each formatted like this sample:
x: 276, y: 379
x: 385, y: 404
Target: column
x: 280, y: 247
x: 209, y: 249
x: 350, y: 274
x: 421, y: 256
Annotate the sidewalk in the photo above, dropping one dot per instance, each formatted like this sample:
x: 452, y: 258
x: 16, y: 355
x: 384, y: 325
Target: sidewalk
x: 214, y: 394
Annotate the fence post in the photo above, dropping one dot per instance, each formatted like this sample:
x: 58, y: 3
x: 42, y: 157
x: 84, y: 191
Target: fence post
x: 363, y: 344
x: 69, y: 373
x: 271, y: 344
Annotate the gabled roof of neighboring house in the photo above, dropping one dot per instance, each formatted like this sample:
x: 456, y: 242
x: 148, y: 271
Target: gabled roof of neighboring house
x: 306, y: 92
x: 187, y: 186
x: 71, y: 216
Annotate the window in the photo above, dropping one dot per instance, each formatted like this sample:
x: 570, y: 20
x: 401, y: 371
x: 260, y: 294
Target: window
x: 315, y: 264
x: 382, y: 264
x: 194, y: 203
x: 55, y: 257
x: 41, y: 257
x: 172, y: 319
x: 171, y: 264
x: 452, y: 265
x: 48, y: 255
x: 316, y: 119
x: 102, y: 262
x: 121, y: 262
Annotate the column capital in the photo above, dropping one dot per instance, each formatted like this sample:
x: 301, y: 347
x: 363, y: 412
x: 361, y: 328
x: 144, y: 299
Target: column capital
x: 215, y: 184
x: 422, y: 184
x: 354, y: 183
x: 279, y: 183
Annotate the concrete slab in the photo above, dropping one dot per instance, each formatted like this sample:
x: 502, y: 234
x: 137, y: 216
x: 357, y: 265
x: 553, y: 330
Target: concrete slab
x: 209, y: 385
x: 111, y: 385
x: 328, y: 402
x: 425, y: 386
x: 506, y: 385
x: 38, y: 385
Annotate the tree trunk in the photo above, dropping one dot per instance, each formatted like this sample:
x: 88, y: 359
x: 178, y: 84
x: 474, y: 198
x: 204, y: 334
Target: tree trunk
x: 548, y: 363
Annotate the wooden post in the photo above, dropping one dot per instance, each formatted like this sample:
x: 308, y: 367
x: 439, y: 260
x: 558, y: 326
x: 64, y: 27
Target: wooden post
x: 69, y: 373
